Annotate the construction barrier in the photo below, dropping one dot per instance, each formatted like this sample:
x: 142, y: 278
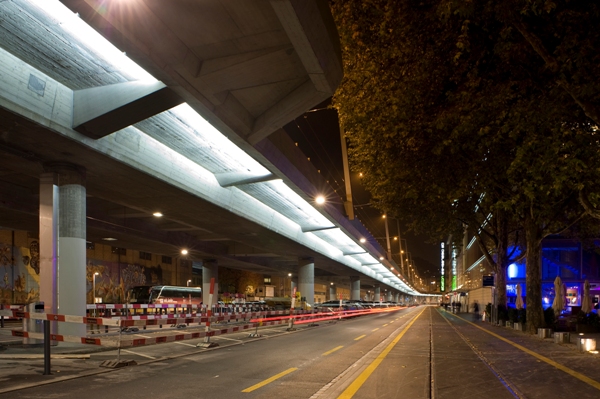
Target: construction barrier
x: 8, y: 307
x: 254, y: 320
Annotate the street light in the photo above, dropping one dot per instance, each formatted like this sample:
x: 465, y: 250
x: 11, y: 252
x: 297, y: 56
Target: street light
x: 94, y: 286
x: 188, y: 282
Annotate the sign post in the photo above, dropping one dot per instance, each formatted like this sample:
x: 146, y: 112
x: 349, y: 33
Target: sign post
x: 291, y: 323
x: 488, y: 281
x: 207, y: 343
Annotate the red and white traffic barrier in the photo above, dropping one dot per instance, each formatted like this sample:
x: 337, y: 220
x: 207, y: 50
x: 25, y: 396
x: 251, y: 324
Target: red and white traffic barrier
x: 65, y: 318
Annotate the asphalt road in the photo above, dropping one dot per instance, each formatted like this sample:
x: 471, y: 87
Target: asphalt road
x: 312, y: 357
x: 420, y: 352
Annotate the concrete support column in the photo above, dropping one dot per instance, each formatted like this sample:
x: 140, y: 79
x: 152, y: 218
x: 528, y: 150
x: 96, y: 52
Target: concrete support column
x: 48, y: 248
x: 63, y: 211
x: 306, y: 279
x: 210, y: 269
x: 389, y: 296
x: 377, y: 297
x: 397, y: 297
x: 333, y: 292
x: 355, y: 288
x: 48, y: 241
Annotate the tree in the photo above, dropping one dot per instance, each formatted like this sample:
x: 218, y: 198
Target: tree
x: 455, y: 100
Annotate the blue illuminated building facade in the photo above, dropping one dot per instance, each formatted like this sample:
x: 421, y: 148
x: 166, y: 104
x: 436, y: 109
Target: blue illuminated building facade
x: 566, y: 258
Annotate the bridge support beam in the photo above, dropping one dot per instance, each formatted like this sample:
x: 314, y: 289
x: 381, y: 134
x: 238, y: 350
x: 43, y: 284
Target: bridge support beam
x: 355, y: 288
x: 333, y: 292
x: 306, y: 280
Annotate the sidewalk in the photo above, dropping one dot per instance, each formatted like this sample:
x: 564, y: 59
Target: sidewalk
x: 530, y: 366
x: 22, y: 366
x: 574, y: 336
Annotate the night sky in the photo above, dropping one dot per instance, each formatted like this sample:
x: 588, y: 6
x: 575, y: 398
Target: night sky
x: 317, y: 135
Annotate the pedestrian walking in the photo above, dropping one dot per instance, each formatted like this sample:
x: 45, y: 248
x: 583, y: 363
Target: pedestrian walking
x: 476, y: 310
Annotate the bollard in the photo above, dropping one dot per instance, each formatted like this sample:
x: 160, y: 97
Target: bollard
x: 544, y: 333
x: 562, y: 338
x: 586, y: 344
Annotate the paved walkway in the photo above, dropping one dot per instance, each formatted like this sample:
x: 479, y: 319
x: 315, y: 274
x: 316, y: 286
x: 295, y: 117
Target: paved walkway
x: 527, y: 366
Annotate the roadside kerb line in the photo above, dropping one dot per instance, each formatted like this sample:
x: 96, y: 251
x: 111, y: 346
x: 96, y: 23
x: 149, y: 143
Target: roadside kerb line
x: 360, y: 380
x: 331, y: 351
x: 551, y: 362
x: 357, y: 338
x: 270, y: 380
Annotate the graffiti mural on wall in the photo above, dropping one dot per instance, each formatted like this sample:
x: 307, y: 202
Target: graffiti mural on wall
x: 21, y: 276
x: 114, y: 279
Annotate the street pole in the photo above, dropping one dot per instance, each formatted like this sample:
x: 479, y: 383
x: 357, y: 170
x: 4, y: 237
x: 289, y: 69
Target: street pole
x: 400, y: 245
x: 348, y: 204
x: 387, y: 237
x: 94, y: 288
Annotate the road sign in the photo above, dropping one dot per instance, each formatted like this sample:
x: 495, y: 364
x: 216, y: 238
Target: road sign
x: 488, y: 281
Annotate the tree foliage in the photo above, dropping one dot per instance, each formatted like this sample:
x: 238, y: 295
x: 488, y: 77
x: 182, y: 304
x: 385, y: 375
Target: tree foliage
x: 451, y: 107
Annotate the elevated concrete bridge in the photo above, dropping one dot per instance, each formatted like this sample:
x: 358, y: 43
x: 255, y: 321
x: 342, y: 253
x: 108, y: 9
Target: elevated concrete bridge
x: 92, y: 144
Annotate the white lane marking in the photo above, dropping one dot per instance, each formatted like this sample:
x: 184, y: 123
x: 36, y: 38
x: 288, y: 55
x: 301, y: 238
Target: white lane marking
x: 139, y: 354
x: 185, y: 343
x: 229, y: 339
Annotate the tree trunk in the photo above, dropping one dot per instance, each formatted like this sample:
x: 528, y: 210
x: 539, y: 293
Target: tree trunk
x: 533, y: 303
x: 501, y: 258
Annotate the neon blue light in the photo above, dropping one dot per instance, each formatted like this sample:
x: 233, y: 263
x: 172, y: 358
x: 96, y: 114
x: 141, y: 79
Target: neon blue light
x: 513, y: 271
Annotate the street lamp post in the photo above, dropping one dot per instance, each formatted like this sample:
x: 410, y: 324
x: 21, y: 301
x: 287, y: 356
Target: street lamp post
x: 94, y: 287
x: 400, y: 251
x: 188, y: 282
x: 387, y: 238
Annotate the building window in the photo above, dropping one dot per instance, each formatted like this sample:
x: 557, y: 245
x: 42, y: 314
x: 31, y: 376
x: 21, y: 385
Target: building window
x: 145, y: 255
x: 267, y: 279
x: 167, y: 259
x: 119, y: 251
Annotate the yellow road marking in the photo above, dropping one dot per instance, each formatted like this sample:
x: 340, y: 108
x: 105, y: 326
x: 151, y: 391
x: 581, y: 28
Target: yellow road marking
x: 392, y: 321
x: 375, y: 329
x: 551, y: 362
x: 362, y: 336
x: 270, y: 380
x: 385, y: 325
x: 360, y: 380
x: 331, y: 351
